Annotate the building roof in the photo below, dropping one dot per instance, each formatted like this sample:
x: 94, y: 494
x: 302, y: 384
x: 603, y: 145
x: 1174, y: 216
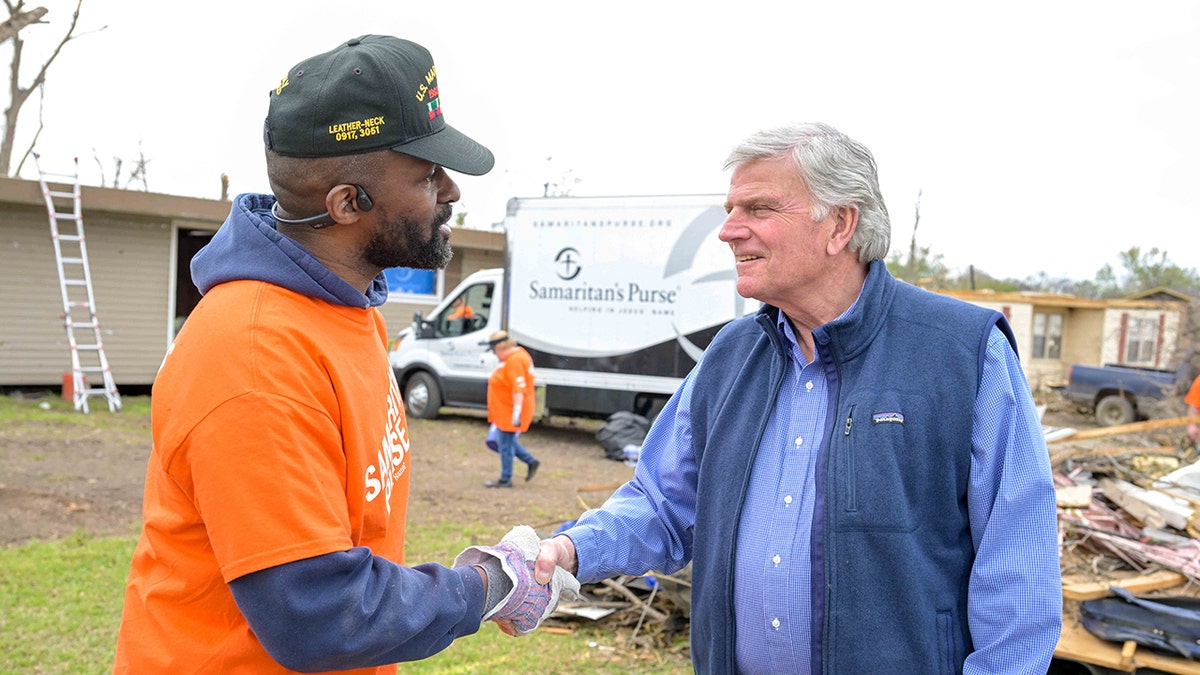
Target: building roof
x: 1161, y: 293
x: 1044, y: 299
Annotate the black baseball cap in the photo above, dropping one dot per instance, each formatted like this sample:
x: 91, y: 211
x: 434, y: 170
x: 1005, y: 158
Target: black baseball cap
x: 370, y: 93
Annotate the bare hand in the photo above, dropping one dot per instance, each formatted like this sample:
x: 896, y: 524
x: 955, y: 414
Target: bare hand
x: 558, y: 551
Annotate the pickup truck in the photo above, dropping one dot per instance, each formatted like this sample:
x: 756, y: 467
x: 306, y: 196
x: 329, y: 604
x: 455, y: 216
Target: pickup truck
x: 1121, y: 394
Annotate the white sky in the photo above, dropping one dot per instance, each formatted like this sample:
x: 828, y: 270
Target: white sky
x: 1043, y: 136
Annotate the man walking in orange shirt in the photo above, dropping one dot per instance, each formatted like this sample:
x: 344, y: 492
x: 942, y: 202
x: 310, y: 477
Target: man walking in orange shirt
x: 510, y: 405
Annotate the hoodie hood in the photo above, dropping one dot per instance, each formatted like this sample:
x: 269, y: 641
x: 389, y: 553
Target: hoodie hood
x: 249, y: 247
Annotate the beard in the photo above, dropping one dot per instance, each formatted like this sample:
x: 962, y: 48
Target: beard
x: 404, y: 242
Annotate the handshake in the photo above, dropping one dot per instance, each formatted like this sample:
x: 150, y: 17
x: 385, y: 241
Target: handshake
x: 515, y: 600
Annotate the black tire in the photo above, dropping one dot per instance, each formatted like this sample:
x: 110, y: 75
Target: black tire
x: 422, y: 396
x: 1114, y: 409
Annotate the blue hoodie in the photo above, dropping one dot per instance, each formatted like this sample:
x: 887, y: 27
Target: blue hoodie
x: 249, y: 247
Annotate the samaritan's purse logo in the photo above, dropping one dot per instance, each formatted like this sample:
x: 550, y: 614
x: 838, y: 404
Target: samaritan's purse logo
x: 568, y: 260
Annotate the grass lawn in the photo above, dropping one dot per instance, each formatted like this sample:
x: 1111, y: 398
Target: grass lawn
x: 60, y: 605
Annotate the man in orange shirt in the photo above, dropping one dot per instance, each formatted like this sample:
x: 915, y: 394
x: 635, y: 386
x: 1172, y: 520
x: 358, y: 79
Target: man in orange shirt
x: 461, y: 310
x: 1193, y: 403
x: 511, y: 402
x: 277, y: 487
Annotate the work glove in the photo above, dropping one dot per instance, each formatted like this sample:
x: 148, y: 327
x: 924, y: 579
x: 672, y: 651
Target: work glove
x: 516, y: 420
x: 510, y: 567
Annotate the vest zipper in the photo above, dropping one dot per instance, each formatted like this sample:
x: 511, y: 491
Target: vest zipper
x: 851, y: 472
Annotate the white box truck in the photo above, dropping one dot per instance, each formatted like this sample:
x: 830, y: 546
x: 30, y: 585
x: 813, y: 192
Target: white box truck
x: 615, y: 298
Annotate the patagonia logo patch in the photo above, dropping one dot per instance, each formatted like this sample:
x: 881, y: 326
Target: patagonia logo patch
x: 887, y: 418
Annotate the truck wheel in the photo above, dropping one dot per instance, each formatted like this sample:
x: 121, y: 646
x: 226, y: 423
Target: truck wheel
x: 1114, y: 409
x: 422, y: 396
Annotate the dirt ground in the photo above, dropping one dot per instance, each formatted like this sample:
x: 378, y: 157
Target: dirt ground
x: 60, y: 474
x: 86, y: 473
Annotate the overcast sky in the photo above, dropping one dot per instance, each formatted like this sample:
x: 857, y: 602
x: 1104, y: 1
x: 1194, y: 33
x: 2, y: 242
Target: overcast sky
x: 1043, y: 136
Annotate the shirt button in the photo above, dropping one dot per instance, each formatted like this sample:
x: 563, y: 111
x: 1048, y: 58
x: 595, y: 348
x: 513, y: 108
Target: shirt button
x: 775, y: 624
x: 799, y: 441
x: 787, y: 499
x: 776, y: 560
x: 808, y: 385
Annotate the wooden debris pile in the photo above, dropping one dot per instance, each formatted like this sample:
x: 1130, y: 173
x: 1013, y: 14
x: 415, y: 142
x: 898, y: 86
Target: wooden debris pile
x: 648, y: 614
x: 1129, y: 515
x: 1131, y: 506
x: 650, y: 611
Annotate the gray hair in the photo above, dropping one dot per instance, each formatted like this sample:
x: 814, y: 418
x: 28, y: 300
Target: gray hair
x: 838, y: 170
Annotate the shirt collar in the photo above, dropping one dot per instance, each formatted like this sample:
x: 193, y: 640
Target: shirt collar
x: 785, y: 329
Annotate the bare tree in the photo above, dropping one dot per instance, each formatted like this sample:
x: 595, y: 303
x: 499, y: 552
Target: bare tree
x: 910, y: 274
x: 563, y: 186
x: 137, y: 173
x: 18, y: 19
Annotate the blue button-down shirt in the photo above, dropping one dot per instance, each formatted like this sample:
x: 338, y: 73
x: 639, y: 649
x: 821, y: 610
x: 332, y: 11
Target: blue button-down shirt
x: 1014, y: 605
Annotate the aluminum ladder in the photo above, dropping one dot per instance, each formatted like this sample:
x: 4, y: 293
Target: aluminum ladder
x: 75, y: 283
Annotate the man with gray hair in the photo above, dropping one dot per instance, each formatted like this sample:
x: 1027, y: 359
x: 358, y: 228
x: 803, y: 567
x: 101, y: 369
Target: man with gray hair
x: 857, y: 472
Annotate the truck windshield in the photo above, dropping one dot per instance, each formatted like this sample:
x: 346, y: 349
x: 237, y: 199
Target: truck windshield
x: 467, y: 313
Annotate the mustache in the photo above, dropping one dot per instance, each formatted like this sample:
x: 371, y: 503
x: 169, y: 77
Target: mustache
x: 442, y: 216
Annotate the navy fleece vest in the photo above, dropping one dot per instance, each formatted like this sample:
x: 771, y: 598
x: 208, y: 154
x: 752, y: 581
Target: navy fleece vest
x: 892, y: 550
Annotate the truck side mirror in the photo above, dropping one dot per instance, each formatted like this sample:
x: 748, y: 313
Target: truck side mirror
x: 422, y: 329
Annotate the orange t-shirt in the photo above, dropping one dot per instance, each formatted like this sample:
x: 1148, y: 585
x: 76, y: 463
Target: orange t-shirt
x: 462, y: 311
x: 1193, y: 395
x: 279, y: 435
x: 514, y: 374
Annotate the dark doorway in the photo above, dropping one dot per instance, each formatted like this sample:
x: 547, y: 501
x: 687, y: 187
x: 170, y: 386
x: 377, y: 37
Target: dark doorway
x: 186, y: 294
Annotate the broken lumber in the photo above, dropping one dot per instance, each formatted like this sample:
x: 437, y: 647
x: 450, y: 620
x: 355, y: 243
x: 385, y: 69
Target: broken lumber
x: 1076, y: 644
x: 1073, y: 496
x: 631, y: 597
x: 1154, y: 581
x: 1119, y: 429
x: 1151, y: 507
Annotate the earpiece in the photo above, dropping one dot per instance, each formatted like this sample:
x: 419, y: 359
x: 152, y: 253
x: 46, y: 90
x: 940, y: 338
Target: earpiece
x: 323, y: 219
x: 363, y: 199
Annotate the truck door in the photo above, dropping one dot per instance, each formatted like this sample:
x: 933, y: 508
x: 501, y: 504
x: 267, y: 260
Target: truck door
x: 464, y: 323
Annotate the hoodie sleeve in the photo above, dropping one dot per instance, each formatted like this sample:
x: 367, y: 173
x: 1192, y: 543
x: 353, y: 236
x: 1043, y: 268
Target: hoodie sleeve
x: 351, y: 609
